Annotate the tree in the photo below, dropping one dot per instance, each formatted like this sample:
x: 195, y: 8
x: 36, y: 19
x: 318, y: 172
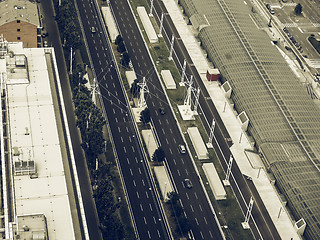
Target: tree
x: 125, y: 60
x: 145, y: 116
x: 184, y: 225
x: 158, y: 155
x: 173, y: 198
x: 121, y: 47
x: 298, y: 9
x: 118, y: 40
x: 135, y: 88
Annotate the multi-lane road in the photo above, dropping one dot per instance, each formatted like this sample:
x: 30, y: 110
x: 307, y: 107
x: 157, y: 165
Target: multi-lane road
x: 144, y: 205
x: 261, y: 224
x: 194, y: 201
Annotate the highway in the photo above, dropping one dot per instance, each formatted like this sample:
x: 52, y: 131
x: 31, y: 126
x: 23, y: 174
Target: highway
x: 261, y: 224
x: 194, y: 201
x: 144, y: 205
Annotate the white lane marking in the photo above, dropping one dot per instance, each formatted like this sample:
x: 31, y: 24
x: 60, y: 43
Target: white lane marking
x: 150, y: 206
x: 205, y: 220
x: 128, y: 161
x: 121, y: 139
x: 147, y: 195
x: 155, y: 221
x: 149, y: 234
x: 201, y: 234
x: 163, y: 131
x: 200, y: 207
x: 132, y: 149
x: 139, y: 170
x: 134, y: 183
x: 167, y: 141
x: 182, y: 161
x: 136, y: 159
x: 124, y: 149
x: 174, y: 161
x: 158, y: 233
x: 194, y: 219
x: 210, y: 234
x: 145, y: 221
x: 138, y: 195
x: 114, y: 112
x: 141, y: 207
x: 170, y: 130
x: 187, y: 196
x: 159, y: 119
x: 131, y: 172
x: 178, y: 172
x: 191, y: 208
x: 187, y: 172
x: 127, y: 129
x: 170, y: 150
x: 143, y: 182
x: 195, y: 194
x: 116, y: 119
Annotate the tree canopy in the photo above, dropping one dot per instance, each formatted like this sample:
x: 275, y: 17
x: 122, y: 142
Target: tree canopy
x: 298, y: 9
x: 135, y: 88
x: 158, y: 155
x: 145, y: 116
x: 125, y: 60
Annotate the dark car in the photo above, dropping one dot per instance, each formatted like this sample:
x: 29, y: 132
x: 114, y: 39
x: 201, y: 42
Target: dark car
x: 162, y: 111
x: 187, y: 183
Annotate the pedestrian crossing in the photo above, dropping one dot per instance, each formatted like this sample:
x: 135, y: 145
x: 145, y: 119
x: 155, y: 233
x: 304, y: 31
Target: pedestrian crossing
x: 290, y: 25
x: 316, y: 24
x: 290, y: 4
x: 314, y: 63
x: 293, y: 24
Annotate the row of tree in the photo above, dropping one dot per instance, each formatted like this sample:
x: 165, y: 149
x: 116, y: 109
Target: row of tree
x: 121, y: 48
x: 90, y: 121
x: 67, y: 20
x: 183, y: 224
x: 110, y: 225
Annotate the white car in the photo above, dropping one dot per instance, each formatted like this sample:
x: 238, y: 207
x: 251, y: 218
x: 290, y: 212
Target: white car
x: 182, y: 149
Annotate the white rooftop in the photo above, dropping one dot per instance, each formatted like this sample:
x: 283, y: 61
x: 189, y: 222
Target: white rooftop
x: 31, y: 106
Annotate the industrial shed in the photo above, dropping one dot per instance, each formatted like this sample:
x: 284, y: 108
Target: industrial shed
x: 284, y: 121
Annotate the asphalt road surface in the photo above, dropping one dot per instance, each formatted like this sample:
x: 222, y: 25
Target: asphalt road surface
x: 147, y: 215
x: 261, y: 223
x: 194, y: 201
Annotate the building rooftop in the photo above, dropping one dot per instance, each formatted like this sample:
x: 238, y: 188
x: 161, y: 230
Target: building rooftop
x: 39, y: 181
x: 284, y: 121
x: 24, y: 10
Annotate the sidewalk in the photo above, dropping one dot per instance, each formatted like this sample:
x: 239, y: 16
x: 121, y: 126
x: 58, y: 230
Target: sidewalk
x: 260, y: 179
